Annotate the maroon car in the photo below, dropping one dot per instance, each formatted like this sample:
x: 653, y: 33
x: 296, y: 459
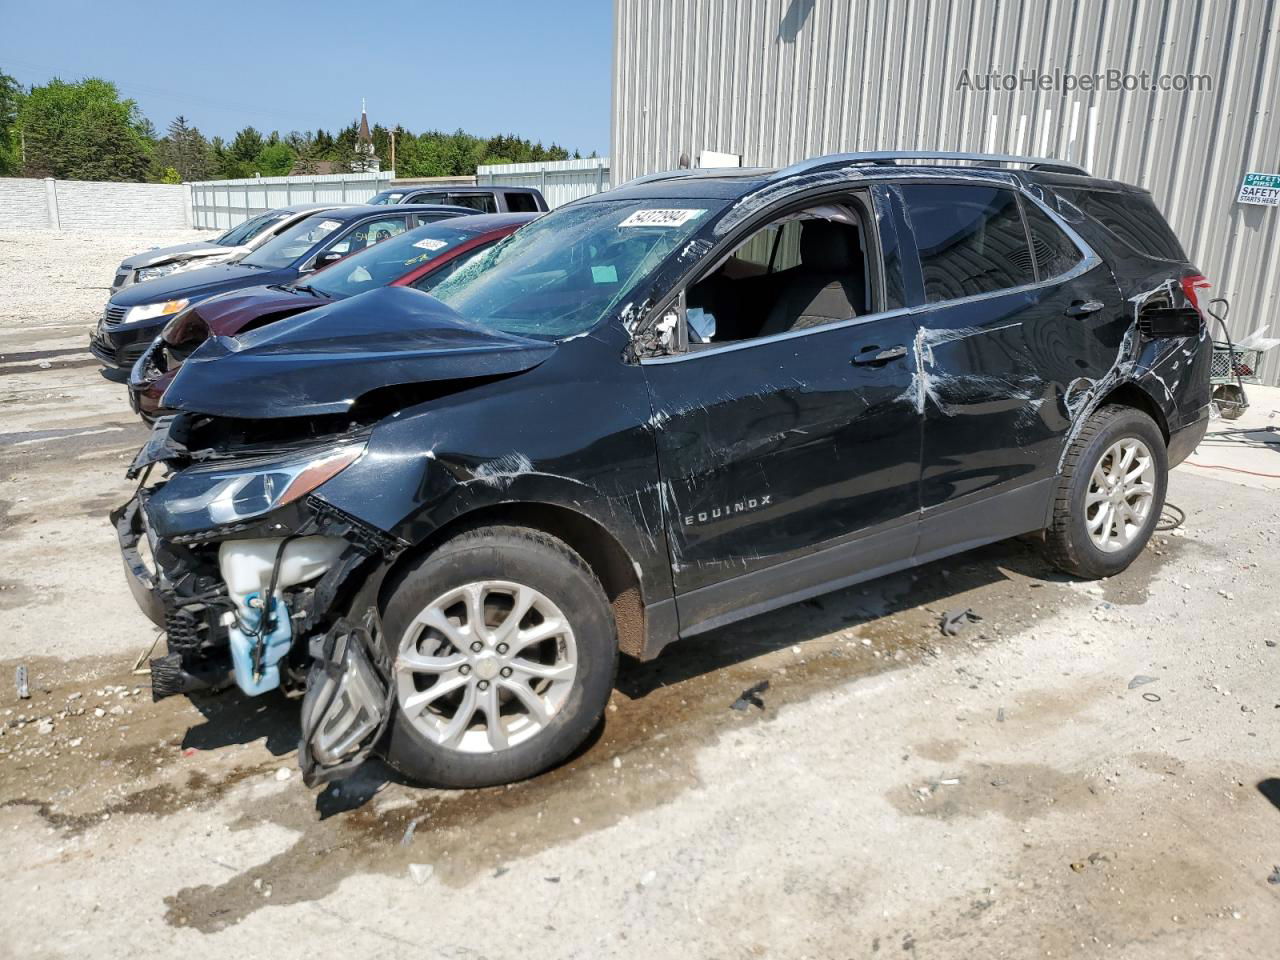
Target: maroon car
x: 419, y: 258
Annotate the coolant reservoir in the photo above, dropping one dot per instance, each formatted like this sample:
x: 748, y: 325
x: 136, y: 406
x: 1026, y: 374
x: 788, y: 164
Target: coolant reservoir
x: 246, y: 564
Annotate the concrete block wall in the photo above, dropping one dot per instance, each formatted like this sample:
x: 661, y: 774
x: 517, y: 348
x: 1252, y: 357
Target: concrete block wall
x: 23, y: 204
x: 90, y: 205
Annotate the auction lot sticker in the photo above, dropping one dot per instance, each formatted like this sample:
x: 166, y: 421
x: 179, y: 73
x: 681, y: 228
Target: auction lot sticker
x: 1260, y: 188
x: 660, y: 218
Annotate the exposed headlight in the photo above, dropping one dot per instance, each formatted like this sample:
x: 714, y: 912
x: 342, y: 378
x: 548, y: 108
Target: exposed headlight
x: 209, y: 496
x: 147, y: 311
x: 160, y: 270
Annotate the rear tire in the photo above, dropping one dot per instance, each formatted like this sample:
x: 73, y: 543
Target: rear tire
x: 1110, y: 493
x: 446, y: 624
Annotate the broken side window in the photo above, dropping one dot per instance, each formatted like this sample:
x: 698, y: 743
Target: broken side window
x: 807, y: 268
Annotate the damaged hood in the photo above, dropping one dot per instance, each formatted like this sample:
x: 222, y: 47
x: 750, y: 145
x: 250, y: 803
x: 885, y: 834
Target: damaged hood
x: 323, y: 360
x: 180, y: 251
x: 228, y: 313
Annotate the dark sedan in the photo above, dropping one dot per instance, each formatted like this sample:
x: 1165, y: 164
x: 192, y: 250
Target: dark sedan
x: 137, y: 313
x: 420, y: 259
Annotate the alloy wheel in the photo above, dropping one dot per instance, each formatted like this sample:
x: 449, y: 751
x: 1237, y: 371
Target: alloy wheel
x: 1121, y: 492
x: 485, y: 666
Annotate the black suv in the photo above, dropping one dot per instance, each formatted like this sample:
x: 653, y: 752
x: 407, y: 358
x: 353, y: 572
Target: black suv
x: 651, y: 413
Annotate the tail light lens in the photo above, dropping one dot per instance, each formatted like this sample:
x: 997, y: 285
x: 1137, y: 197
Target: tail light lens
x: 1190, y: 286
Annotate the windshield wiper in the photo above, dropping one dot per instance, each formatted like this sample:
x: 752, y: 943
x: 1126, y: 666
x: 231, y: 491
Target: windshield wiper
x: 307, y: 288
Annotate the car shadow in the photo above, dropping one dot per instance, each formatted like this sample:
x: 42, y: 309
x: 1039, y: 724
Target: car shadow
x: 1270, y: 788
x: 113, y: 375
x: 859, y: 605
x: 231, y: 718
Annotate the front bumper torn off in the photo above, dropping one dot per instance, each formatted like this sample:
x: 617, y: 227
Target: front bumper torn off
x: 129, y: 521
x: 347, y: 705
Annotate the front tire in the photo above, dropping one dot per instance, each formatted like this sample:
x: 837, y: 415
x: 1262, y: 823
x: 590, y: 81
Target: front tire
x: 1110, y: 493
x: 504, y: 649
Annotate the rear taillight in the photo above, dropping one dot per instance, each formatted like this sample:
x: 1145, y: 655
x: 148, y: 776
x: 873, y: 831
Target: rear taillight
x: 1192, y: 284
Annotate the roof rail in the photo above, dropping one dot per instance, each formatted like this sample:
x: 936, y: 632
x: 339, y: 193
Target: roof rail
x: 946, y: 158
x: 694, y: 172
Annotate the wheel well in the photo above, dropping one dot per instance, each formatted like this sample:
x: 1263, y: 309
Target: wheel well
x: 596, y: 545
x: 1132, y: 395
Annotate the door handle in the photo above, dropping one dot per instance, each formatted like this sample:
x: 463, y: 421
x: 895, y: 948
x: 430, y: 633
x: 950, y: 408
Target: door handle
x: 867, y: 355
x: 1082, y: 308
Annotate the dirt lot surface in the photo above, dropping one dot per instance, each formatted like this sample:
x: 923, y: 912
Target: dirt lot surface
x: 1090, y: 770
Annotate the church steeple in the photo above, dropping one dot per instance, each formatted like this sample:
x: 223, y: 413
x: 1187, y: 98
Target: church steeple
x: 364, y: 142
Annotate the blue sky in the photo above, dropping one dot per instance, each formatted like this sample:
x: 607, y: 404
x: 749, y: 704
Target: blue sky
x: 537, y: 69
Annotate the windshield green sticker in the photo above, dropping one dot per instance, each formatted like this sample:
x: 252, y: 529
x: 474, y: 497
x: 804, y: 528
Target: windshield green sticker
x: 605, y: 274
x: 661, y: 218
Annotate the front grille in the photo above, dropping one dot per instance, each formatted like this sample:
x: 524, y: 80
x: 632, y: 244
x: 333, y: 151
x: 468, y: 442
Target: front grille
x: 114, y: 314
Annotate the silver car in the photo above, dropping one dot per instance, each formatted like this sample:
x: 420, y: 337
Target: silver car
x: 239, y: 240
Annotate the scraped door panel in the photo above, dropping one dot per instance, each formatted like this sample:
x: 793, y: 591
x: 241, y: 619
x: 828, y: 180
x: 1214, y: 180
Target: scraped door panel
x: 777, y: 449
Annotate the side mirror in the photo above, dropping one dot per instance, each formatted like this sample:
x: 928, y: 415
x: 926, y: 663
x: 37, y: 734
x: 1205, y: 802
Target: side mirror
x: 324, y: 259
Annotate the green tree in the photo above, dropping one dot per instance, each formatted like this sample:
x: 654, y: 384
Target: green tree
x: 185, y: 150
x: 274, y: 160
x: 82, y: 131
x: 10, y: 98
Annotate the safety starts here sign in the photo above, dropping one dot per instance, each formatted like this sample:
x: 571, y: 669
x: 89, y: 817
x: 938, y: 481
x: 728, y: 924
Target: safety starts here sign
x: 1261, y: 188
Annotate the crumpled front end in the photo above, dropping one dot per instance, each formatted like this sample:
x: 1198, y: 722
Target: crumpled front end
x: 257, y: 582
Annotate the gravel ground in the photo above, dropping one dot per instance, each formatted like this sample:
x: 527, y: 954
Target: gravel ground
x: 50, y: 278
x: 1089, y: 771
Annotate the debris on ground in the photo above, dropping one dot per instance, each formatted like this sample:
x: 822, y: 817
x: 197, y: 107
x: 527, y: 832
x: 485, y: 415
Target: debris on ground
x: 421, y: 872
x: 1000, y: 715
x: 408, y: 833
x: 24, y: 693
x: 751, y: 696
x: 953, y: 621
x: 1092, y: 860
x: 1139, y: 680
x: 1275, y: 875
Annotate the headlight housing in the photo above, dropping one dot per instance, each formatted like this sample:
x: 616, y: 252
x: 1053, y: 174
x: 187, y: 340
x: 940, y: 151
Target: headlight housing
x: 202, y: 497
x: 149, y: 311
x: 160, y: 270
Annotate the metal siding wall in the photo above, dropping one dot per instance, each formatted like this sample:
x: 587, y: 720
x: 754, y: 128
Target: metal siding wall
x: 738, y: 76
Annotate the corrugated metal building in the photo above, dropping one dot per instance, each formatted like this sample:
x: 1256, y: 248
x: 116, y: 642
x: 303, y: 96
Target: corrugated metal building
x: 776, y: 81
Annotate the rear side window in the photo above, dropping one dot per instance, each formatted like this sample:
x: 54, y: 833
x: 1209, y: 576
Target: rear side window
x: 476, y: 201
x: 1054, y: 251
x: 971, y: 240
x: 1133, y: 219
x: 521, y: 203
